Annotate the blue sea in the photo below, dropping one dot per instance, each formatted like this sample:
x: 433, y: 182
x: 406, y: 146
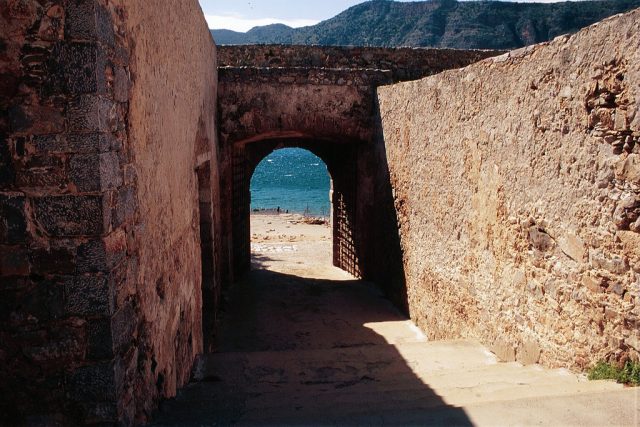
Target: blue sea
x: 292, y: 179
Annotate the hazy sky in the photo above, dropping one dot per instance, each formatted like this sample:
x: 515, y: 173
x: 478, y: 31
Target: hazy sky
x: 242, y: 15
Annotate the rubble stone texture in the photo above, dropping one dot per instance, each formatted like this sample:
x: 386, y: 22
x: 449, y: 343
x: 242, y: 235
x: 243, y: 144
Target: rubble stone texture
x: 515, y: 183
x: 100, y: 270
x: 322, y: 99
x: 401, y: 63
x: 517, y: 190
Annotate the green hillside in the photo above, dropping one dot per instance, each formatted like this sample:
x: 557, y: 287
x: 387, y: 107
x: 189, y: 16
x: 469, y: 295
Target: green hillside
x: 439, y: 23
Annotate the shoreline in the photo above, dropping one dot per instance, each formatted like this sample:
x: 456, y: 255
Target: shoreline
x: 282, y: 227
x: 282, y: 212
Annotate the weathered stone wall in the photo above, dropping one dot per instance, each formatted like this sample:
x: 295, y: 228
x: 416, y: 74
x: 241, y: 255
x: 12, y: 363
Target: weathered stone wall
x: 321, y: 98
x: 403, y: 63
x: 517, y: 188
x: 100, y: 299
x: 66, y: 204
x: 258, y: 103
x: 290, y: 107
x: 171, y: 134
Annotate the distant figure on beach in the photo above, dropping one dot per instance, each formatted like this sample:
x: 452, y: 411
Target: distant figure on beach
x: 278, y: 210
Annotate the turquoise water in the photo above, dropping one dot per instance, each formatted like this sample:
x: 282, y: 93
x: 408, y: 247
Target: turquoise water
x: 292, y: 179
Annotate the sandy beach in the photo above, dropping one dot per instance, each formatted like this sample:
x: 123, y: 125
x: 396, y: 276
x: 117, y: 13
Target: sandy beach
x: 289, y: 243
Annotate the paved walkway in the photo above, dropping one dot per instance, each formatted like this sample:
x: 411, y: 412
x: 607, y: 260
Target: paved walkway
x: 319, y: 348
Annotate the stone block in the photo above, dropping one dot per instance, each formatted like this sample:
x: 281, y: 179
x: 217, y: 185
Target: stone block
x: 72, y: 215
x: 94, y: 383
x: 41, y: 171
x: 593, y: 283
x: 124, y: 325
x: 100, y: 413
x: 613, y: 263
x: 130, y: 176
x: 617, y: 288
x: 14, y: 261
x: 572, y: 246
x: 91, y: 143
x: 540, y: 239
x: 102, y: 255
x: 116, y: 247
x: 52, y: 24
x: 111, y: 175
x: 7, y: 172
x: 49, y: 299
x: 42, y: 300
x: 126, y: 206
x: 126, y: 288
x: 36, y: 119
x: 100, y: 344
x: 87, y: 20
x: 90, y: 113
x: 92, y: 257
x: 631, y: 243
x: 13, y: 220
x: 74, y: 143
x: 63, y: 343
x: 629, y: 169
x: 627, y: 212
x: 121, y: 84
x: 528, y: 353
x: 88, y: 296
x: 633, y: 341
x: 53, y: 260
x: 95, y: 172
x: 126, y: 367
x: 504, y: 351
x: 81, y: 67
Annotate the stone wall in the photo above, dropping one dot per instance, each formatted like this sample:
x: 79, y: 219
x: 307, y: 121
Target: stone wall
x: 330, y: 112
x: 517, y: 190
x: 313, y: 103
x: 100, y: 281
x: 323, y: 99
x: 403, y: 63
x: 172, y: 134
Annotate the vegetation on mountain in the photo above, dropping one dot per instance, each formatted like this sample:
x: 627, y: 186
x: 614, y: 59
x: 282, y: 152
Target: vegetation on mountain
x: 439, y: 23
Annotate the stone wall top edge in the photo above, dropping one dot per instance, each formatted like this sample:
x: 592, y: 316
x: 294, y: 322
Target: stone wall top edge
x: 304, y: 76
x: 249, y: 69
x: 517, y: 57
x: 272, y: 56
x: 351, y: 48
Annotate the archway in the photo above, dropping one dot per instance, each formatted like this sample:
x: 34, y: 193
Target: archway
x: 290, y: 210
x: 342, y: 161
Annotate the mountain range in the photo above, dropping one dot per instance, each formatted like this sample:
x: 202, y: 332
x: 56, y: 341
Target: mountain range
x: 438, y: 23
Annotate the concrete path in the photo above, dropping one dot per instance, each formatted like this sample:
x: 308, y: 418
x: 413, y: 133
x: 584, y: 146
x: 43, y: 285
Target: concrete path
x: 329, y: 350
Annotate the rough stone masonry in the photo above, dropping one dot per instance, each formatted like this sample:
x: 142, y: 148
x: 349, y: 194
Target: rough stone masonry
x: 105, y: 122
x: 517, y: 188
x: 515, y: 182
x: 322, y: 99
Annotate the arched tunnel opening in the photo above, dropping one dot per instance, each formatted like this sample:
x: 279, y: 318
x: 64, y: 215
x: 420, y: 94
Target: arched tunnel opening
x: 291, y: 180
x: 290, y: 210
x: 341, y: 162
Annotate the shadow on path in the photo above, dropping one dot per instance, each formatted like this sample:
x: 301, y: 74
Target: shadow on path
x: 307, y: 351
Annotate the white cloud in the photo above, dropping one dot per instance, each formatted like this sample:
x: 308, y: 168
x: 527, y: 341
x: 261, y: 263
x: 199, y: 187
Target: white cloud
x: 242, y: 24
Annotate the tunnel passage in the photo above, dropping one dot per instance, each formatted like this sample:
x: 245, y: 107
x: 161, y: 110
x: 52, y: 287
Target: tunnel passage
x: 322, y: 99
x: 342, y: 165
